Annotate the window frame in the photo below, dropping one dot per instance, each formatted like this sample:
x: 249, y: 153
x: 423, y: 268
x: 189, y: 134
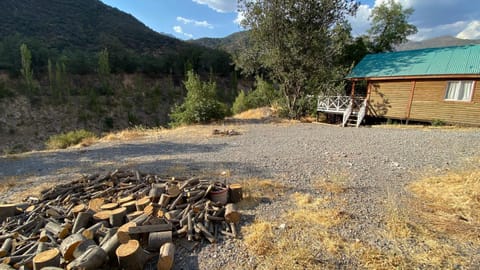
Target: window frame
x: 447, y: 88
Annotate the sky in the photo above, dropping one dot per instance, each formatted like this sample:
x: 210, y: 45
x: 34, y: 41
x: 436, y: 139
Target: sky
x: 193, y: 19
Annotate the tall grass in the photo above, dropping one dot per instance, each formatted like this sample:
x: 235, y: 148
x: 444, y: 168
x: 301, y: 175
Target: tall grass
x: 68, y: 139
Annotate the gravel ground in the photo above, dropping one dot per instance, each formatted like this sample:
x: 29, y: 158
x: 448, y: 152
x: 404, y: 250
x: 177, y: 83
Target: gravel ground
x: 377, y: 162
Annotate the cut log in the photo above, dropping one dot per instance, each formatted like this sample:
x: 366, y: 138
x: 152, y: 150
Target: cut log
x: 96, y: 204
x: 109, y: 206
x: 126, y: 199
x: 205, y: 232
x: 149, y: 228
x: 117, y: 216
x: 43, y: 237
x: 156, y: 191
x: 7, y: 210
x: 6, y: 247
x: 92, y: 259
x: 102, y: 216
x: 42, y: 246
x: 92, y: 230
x: 131, y: 256
x: 236, y: 193
x: 57, y: 230
x: 173, y: 190
x: 157, y: 239
x: 232, y: 214
x: 141, y: 203
x: 122, y: 233
x: 83, y: 247
x: 164, y: 199
x: 47, y: 258
x: 68, y: 245
x: 166, y: 256
x: 134, y: 215
x: 110, y: 245
x: 81, y: 221
x: 6, y: 267
x: 130, y: 206
x: 190, y: 182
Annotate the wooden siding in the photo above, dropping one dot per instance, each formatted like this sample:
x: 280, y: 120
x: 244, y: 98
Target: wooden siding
x: 389, y: 99
x: 429, y: 104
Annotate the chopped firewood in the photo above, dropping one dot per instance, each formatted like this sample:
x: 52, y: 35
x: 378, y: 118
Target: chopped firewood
x: 166, y: 256
x: 47, y: 258
x: 131, y: 255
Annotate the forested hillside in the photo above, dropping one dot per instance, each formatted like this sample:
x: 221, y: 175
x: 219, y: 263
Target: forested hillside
x: 86, y: 65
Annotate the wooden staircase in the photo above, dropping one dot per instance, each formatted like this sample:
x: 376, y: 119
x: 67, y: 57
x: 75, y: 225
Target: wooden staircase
x: 355, y: 113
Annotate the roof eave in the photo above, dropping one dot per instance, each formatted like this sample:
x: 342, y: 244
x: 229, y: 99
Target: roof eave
x: 413, y: 77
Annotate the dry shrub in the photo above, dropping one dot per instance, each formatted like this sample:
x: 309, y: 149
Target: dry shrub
x: 132, y: 133
x: 259, y: 113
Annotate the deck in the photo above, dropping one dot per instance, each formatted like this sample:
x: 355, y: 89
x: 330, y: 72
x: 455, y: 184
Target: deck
x: 352, y: 108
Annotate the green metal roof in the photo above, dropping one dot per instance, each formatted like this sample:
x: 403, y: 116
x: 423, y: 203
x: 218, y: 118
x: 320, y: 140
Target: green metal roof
x: 425, y: 62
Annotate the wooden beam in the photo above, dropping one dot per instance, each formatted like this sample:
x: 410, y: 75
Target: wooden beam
x: 352, y: 92
x: 447, y: 76
x: 410, y: 101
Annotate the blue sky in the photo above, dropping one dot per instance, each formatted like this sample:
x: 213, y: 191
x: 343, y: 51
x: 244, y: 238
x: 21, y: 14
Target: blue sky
x: 186, y: 19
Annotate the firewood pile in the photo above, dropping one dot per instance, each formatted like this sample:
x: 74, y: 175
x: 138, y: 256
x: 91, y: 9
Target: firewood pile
x: 119, y: 220
x: 226, y: 132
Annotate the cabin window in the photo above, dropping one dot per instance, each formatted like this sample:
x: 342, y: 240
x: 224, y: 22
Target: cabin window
x: 459, y: 90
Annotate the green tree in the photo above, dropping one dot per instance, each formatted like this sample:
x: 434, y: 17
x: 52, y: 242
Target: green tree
x: 200, y: 105
x: 390, y: 26
x: 26, y: 69
x: 104, y: 70
x: 240, y: 104
x: 295, y: 42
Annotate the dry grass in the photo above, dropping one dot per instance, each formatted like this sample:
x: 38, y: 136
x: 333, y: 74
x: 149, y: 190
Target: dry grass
x: 438, y: 228
x: 255, y: 190
x: 259, y: 113
x: 133, y: 133
x: 8, y: 183
x: 301, y: 238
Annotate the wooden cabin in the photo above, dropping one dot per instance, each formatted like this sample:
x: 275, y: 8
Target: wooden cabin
x: 423, y: 85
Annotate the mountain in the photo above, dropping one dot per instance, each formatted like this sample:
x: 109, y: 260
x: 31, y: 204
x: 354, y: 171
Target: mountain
x: 75, y: 31
x: 231, y: 44
x: 85, y: 24
x: 443, y: 41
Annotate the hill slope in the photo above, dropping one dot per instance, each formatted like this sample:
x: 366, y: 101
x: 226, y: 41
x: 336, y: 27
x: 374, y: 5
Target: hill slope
x: 86, y: 24
x: 444, y: 41
x: 231, y: 44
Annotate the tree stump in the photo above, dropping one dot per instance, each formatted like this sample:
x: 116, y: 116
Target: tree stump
x: 92, y: 259
x: 68, y: 245
x: 130, y: 255
x: 231, y: 213
x: 47, y: 258
x: 236, y: 193
x: 157, y: 239
x: 166, y: 256
x: 117, y: 216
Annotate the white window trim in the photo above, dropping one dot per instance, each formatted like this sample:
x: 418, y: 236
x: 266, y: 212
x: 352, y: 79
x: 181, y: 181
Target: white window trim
x: 472, y: 89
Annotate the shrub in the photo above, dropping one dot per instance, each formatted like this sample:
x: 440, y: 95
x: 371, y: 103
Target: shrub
x: 263, y: 95
x: 200, y: 105
x: 438, y: 123
x: 65, y: 140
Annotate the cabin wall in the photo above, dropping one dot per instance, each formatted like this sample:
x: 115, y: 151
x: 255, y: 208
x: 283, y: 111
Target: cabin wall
x: 391, y: 99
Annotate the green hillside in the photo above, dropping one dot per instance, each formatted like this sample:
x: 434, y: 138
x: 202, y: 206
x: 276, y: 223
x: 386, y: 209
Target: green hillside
x: 78, y: 30
x: 231, y: 44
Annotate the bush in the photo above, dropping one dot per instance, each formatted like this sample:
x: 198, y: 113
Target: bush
x: 200, y: 105
x: 65, y: 140
x: 438, y: 123
x: 263, y: 95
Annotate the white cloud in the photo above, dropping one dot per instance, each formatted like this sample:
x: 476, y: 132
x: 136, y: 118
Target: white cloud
x: 222, y: 6
x: 433, y: 18
x: 240, y: 17
x: 178, y: 29
x: 194, y: 22
x: 472, y: 31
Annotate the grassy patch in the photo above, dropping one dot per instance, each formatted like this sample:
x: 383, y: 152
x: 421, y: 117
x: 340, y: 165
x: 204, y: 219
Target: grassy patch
x: 257, y: 190
x: 302, y: 237
x: 71, y: 138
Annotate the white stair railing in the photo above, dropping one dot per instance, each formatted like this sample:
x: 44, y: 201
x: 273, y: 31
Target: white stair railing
x: 347, y: 113
x: 361, y: 112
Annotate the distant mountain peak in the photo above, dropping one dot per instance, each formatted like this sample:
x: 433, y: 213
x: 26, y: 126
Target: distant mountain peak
x: 442, y: 41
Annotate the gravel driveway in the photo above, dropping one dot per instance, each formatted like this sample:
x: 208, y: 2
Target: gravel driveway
x: 376, y: 161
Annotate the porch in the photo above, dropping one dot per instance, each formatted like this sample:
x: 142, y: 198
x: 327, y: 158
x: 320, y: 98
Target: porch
x: 353, y: 108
